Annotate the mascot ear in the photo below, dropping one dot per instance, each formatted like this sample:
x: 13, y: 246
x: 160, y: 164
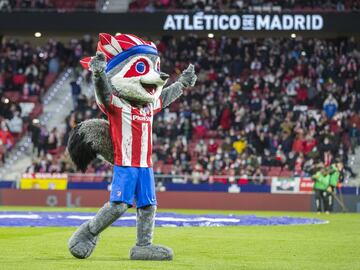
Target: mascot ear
x: 85, y: 62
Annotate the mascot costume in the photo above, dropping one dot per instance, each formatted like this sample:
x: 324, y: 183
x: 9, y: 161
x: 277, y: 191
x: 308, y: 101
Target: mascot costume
x: 129, y: 90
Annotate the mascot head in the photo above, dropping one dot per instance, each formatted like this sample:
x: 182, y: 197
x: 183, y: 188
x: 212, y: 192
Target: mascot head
x: 133, y: 67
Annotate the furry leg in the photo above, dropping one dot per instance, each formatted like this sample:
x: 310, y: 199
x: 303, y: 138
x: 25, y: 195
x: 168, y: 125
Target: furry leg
x: 144, y: 249
x: 83, y: 241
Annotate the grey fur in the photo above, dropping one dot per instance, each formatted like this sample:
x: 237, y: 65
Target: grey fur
x: 144, y: 249
x: 102, y: 86
x: 171, y: 93
x: 83, y: 242
x: 106, y: 216
x: 98, y: 63
x: 175, y: 90
x: 145, y: 219
x: 188, y: 77
x: 97, y: 133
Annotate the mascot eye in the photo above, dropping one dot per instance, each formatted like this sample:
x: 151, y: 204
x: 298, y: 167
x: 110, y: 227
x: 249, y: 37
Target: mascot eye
x: 140, y: 67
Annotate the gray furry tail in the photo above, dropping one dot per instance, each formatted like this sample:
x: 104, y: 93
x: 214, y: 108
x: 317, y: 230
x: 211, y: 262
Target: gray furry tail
x: 89, y: 139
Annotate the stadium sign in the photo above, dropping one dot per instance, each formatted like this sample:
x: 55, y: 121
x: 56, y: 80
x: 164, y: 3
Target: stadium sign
x: 45, y: 181
x: 162, y: 23
x: 306, y: 185
x: 292, y: 185
x: 246, y: 22
x: 284, y: 185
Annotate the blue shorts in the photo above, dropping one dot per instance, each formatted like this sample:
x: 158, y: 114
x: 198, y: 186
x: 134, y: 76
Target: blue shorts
x: 131, y: 183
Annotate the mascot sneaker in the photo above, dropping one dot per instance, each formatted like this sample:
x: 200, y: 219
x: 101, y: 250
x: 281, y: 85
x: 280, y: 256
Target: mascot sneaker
x: 83, y: 242
x: 151, y: 252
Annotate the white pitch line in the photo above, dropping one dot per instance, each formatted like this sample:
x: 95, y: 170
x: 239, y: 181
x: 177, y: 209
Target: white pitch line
x: 29, y: 216
x: 234, y: 220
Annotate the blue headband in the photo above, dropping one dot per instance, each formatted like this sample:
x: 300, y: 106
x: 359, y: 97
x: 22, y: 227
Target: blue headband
x: 139, y: 49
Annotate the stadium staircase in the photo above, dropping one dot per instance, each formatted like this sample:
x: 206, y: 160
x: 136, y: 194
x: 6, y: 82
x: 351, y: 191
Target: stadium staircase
x: 57, y: 104
x: 355, y: 165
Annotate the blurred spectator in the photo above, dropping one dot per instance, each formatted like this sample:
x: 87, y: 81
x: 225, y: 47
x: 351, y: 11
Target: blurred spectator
x: 52, y: 142
x: 330, y: 106
x: 35, y: 130
x: 15, y: 123
x: 54, y: 64
x: 75, y: 91
x: 6, y: 138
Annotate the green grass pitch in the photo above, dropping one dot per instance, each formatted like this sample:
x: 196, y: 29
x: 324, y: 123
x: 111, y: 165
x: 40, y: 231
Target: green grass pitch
x: 335, y: 245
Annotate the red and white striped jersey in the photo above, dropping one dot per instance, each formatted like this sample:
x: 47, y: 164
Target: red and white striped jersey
x: 131, y: 131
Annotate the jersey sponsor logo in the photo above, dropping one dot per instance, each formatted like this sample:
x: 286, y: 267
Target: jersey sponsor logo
x: 141, y: 118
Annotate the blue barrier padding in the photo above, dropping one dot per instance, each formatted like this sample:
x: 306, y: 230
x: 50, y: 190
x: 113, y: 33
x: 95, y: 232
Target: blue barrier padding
x: 197, y: 187
x: 348, y: 190
x: 7, y: 184
x: 255, y: 188
x: 217, y: 187
x: 88, y: 185
x: 204, y: 187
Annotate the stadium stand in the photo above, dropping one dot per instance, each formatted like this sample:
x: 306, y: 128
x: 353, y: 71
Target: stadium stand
x: 244, y: 5
x: 53, y: 5
x: 26, y: 72
x: 177, y: 5
x: 264, y: 107
x: 258, y: 114
x: 24, y: 78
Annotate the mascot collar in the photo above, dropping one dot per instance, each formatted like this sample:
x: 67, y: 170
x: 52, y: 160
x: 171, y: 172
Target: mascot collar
x: 140, y: 49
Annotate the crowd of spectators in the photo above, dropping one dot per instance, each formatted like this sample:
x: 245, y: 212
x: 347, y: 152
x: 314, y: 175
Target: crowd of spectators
x: 186, y: 5
x: 9, y: 5
x: 287, y: 103
x: 57, y: 5
x: 258, y: 104
x: 49, y: 145
x: 242, y: 5
x: 24, y: 70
